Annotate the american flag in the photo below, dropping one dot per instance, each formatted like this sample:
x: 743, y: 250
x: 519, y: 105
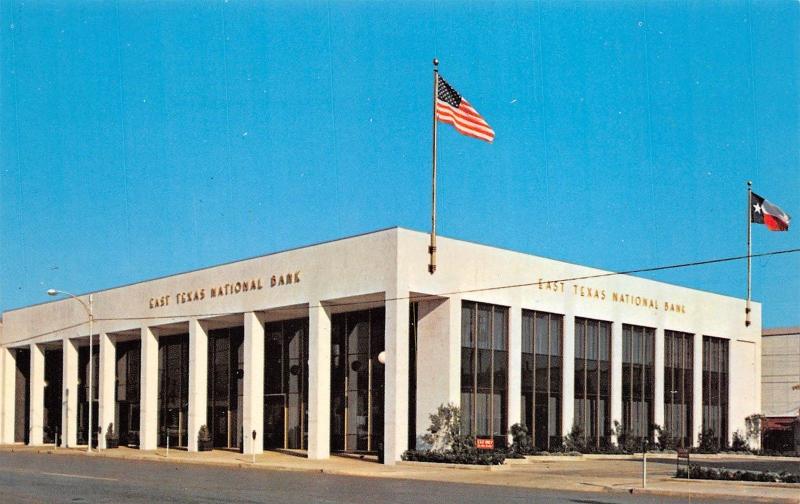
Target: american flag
x: 452, y: 108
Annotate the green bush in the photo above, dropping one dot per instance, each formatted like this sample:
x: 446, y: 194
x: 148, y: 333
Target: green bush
x: 666, y: 439
x: 472, y: 456
x: 576, y: 439
x: 739, y: 443
x: 709, y: 442
x: 444, y: 432
x: 714, y: 473
x: 449, y: 445
x: 521, y: 444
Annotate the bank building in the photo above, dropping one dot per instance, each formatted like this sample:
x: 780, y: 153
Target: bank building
x: 349, y: 345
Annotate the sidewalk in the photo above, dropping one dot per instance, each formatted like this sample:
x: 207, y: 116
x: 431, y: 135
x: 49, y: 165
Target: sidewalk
x: 573, y: 475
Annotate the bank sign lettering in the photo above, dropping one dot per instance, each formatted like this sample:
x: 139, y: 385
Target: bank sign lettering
x: 602, y: 295
x: 223, y: 290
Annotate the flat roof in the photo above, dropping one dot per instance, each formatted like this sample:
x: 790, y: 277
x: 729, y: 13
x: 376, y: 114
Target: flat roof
x: 633, y: 274
x: 234, y: 261
x: 780, y: 331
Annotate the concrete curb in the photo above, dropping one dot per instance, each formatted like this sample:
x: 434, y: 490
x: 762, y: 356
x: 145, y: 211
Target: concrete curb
x: 755, y: 484
x: 737, y: 456
x: 702, y: 495
x: 151, y: 456
x: 463, y: 467
x: 554, y: 458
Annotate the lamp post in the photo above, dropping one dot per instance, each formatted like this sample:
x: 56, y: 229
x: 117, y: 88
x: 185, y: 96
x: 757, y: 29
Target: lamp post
x: 90, y: 312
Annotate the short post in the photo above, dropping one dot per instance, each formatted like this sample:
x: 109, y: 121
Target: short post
x: 167, y: 431
x: 55, y: 441
x: 254, y: 444
x: 688, y: 464
x: 644, y: 463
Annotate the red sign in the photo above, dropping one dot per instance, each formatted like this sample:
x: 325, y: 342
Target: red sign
x: 484, y: 443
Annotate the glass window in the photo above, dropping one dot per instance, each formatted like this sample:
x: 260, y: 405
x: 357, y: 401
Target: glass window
x: 593, y: 379
x: 484, y: 369
x: 678, y: 354
x: 637, y: 383
x: 541, y: 377
x: 715, y: 389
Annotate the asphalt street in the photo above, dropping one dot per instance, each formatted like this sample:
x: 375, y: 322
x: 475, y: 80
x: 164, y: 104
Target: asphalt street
x: 29, y: 478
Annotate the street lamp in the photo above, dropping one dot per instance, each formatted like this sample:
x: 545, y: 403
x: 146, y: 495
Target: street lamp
x: 90, y: 312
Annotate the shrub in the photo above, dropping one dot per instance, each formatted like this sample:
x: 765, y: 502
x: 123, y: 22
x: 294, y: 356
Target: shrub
x: 449, y: 445
x: 708, y: 442
x: 521, y: 444
x: 739, y: 442
x: 473, y: 456
x: 666, y: 439
x: 576, y: 439
x: 444, y: 432
x: 712, y: 473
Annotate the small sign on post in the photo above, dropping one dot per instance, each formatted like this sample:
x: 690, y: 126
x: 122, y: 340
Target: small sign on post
x: 683, y: 453
x: 484, y: 443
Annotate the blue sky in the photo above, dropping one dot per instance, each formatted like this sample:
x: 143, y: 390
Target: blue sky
x: 139, y: 139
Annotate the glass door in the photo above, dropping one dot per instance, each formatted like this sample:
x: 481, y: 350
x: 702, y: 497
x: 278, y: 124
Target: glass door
x: 274, y: 421
x: 357, y: 380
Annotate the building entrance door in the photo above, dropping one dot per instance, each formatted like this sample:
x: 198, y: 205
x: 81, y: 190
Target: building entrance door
x: 22, y: 400
x: 286, y: 384
x: 357, y: 379
x: 173, y: 385
x: 225, y: 359
x: 274, y: 421
x: 221, y: 427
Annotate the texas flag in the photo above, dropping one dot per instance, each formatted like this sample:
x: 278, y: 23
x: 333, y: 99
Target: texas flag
x: 764, y: 212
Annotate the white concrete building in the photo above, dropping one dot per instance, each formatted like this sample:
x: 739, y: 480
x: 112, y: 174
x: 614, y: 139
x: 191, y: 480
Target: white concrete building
x: 349, y: 345
x: 780, y: 388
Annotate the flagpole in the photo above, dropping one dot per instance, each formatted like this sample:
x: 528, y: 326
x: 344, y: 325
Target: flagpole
x: 432, y: 248
x: 749, y: 250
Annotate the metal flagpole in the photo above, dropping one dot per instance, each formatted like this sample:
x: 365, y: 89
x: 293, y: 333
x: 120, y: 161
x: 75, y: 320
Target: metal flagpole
x: 91, y: 372
x: 749, y: 250
x: 432, y: 248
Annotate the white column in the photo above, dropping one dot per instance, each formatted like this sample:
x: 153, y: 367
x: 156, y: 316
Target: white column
x: 148, y: 391
x: 568, y: 367
x: 69, y: 393
x: 453, y: 353
x: 253, y: 408
x: 106, y: 386
x: 514, y: 366
x: 395, y: 417
x: 658, y: 382
x: 198, y: 380
x: 319, y: 382
x: 8, y: 378
x: 37, y: 396
x: 616, y: 376
x: 697, y: 388
x: 438, y: 325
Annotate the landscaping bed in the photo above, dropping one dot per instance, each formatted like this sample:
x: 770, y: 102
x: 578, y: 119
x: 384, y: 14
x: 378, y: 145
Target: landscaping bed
x: 722, y: 474
x: 466, y: 456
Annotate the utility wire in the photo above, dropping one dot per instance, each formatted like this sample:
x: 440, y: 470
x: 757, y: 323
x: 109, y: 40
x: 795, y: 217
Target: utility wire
x: 424, y: 297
